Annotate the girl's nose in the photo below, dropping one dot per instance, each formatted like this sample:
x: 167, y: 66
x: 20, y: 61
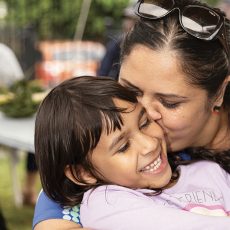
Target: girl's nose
x: 147, y: 144
x: 151, y: 109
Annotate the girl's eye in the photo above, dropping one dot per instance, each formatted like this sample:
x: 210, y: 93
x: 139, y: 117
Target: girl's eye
x: 170, y: 105
x: 124, y: 147
x: 145, y: 123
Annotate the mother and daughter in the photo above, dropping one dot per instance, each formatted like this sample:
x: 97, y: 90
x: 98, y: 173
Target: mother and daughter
x: 95, y: 145
x: 176, y: 60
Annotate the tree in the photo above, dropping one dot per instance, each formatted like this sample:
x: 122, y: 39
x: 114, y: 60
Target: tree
x: 57, y: 18
x: 212, y: 2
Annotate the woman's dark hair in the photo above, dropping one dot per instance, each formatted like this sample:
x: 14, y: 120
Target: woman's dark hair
x: 205, y: 63
x: 68, y: 127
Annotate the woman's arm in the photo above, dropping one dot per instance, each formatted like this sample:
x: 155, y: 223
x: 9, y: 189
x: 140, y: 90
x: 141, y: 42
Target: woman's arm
x: 51, y: 215
x: 56, y: 224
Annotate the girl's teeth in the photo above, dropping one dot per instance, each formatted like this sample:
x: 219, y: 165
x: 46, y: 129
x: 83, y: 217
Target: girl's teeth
x: 153, y: 166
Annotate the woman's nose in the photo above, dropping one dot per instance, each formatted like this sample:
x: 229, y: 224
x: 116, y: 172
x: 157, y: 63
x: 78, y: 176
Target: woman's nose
x: 151, y: 109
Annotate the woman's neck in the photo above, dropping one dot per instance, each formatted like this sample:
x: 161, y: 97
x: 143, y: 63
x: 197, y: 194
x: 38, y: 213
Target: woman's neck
x: 221, y: 140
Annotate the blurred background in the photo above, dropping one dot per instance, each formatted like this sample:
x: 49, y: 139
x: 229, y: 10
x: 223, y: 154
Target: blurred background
x: 41, y: 44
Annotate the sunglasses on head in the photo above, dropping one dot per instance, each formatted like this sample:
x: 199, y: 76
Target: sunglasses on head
x: 199, y: 21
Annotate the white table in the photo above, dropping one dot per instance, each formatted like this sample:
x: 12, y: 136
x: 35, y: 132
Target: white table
x: 17, y: 134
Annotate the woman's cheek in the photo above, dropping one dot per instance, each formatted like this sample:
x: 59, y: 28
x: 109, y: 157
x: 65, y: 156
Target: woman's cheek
x: 176, y: 121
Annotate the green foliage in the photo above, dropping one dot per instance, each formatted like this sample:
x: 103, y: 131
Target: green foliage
x: 22, y: 103
x: 58, y: 18
x: 212, y: 2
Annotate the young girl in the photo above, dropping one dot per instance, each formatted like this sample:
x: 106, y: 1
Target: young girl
x: 95, y: 144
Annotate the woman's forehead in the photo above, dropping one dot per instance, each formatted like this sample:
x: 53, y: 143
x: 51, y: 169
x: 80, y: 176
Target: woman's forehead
x: 144, y: 59
x: 156, y: 73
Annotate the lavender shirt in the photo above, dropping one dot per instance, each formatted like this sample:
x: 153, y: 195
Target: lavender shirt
x: 199, y: 200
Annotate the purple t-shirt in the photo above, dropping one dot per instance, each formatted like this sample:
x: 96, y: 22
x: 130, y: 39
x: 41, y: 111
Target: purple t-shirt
x: 199, y: 200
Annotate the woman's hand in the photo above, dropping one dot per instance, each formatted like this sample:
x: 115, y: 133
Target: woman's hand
x: 58, y: 224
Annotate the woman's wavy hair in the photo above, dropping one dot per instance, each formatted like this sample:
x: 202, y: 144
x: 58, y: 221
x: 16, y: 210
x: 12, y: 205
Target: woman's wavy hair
x: 68, y: 126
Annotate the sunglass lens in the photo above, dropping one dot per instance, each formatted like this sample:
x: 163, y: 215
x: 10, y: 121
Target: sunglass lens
x: 200, y: 22
x: 155, y: 9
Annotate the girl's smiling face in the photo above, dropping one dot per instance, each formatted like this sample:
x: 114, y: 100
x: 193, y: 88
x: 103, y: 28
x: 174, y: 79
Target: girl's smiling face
x: 181, y: 109
x: 134, y: 156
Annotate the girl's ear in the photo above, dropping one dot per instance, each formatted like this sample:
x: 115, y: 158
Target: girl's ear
x: 220, y: 97
x: 86, y: 176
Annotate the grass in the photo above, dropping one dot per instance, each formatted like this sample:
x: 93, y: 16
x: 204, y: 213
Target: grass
x: 16, y: 218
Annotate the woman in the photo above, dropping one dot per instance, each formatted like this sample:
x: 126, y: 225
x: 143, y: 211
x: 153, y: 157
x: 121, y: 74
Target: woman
x: 180, y: 69
x: 179, y: 78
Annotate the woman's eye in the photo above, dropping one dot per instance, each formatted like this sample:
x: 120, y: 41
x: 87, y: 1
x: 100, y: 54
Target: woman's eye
x: 170, y: 105
x: 124, y: 147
